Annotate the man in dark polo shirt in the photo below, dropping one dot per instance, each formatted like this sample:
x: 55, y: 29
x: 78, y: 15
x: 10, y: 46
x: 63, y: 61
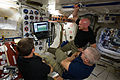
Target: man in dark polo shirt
x: 29, y: 64
x: 83, y: 36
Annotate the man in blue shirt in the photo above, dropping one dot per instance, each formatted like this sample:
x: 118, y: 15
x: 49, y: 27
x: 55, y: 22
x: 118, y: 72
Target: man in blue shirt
x: 77, y: 67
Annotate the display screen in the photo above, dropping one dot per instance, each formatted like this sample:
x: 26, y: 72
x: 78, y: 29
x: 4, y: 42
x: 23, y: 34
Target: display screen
x: 40, y: 26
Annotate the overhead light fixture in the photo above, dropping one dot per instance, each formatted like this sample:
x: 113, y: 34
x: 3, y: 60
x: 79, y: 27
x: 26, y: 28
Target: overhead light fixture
x: 8, y: 8
x: 6, y: 4
x: 55, y: 12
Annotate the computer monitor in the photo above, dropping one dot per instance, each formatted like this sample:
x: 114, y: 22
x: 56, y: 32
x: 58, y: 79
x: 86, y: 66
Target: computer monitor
x: 40, y: 26
x: 41, y: 30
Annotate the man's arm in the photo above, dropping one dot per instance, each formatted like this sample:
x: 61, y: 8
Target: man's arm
x: 80, y: 49
x: 75, y: 12
x: 51, y: 68
x: 66, y: 62
x: 93, y: 45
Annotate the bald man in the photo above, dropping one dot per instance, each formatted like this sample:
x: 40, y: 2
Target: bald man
x: 83, y: 24
x: 83, y: 36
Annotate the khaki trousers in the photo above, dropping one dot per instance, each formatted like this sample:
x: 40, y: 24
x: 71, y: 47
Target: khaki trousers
x: 55, y: 62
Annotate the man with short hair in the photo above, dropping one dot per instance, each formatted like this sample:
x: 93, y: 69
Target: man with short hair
x: 77, y: 67
x: 29, y: 64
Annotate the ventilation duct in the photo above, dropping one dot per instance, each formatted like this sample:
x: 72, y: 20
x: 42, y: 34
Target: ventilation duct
x: 37, y: 2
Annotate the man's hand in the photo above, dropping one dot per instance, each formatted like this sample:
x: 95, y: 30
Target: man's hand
x: 36, y: 54
x: 75, y: 54
x: 76, y: 6
x: 93, y: 45
x: 75, y: 12
x: 51, y: 68
x: 80, y: 49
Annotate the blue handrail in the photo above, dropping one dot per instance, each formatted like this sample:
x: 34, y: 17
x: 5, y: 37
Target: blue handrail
x: 94, y: 5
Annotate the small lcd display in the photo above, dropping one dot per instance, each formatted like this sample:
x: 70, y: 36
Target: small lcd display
x: 40, y: 26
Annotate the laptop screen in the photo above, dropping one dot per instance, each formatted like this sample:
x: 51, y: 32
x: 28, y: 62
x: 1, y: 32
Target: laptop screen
x: 40, y: 26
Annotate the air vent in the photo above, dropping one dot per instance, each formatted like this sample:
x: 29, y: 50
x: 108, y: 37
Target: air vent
x: 106, y: 19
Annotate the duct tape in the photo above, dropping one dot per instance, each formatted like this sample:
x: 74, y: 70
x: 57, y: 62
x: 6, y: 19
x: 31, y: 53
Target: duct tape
x: 3, y: 48
x: 1, y: 67
x: 0, y: 57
